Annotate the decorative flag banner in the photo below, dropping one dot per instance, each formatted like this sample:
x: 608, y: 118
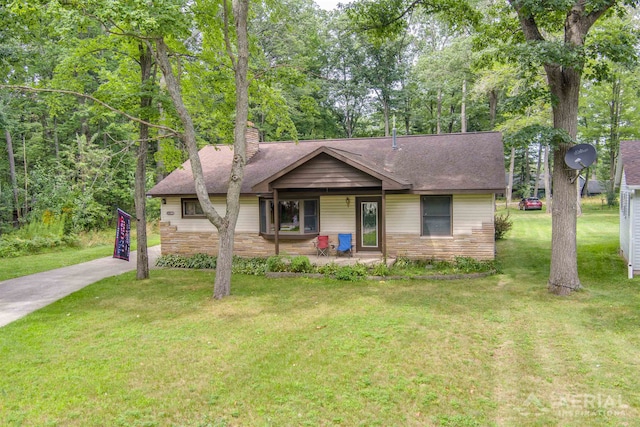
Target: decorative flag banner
x: 123, y: 236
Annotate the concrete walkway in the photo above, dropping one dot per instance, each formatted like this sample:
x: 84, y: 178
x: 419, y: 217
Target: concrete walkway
x: 24, y: 295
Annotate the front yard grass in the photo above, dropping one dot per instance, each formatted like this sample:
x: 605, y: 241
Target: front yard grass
x: 289, y: 352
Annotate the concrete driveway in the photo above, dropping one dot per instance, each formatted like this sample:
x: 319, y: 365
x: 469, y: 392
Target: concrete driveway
x: 24, y: 295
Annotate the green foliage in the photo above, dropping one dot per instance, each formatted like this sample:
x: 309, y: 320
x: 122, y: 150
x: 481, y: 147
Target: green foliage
x: 502, y: 224
x: 351, y: 273
x: 170, y: 261
x: 611, y: 194
x: 170, y: 156
x: 201, y: 261
x: 328, y: 269
x: 460, y: 265
x: 380, y: 269
x: 11, y: 247
x: 300, y: 264
x: 197, y: 261
x: 525, y: 135
x: 250, y: 266
x: 468, y: 265
x: 46, y: 232
x: 277, y: 263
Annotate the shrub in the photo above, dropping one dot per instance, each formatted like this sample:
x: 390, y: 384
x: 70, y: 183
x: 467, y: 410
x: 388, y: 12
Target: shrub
x: 351, y: 273
x: 40, y: 233
x: 200, y: 261
x: 502, y: 225
x: 472, y: 265
x: 301, y: 264
x: 380, y: 270
x: 250, y: 266
x: 328, y: 269
x: 172, y: 261
x: 277, y: 263
x: 402, y: 262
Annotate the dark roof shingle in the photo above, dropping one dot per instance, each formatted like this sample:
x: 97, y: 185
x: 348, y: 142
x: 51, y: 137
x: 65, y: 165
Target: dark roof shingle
x: 431, y: 163
x: 630, y: 158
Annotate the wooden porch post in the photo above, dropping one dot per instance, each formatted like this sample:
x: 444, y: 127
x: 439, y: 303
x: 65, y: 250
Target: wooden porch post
x: 276, y: 219
x: 383, y: 225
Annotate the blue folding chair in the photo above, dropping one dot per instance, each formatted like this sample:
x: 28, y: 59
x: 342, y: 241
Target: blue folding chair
x: 345, y: 247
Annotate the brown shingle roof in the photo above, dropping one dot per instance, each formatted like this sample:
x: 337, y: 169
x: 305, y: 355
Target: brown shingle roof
x: 431, y: 163
x: 630, y: 159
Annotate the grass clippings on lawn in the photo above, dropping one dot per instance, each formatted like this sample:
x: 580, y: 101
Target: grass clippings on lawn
x: 288, y: 352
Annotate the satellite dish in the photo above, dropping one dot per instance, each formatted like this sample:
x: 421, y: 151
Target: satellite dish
x: 580, y: 156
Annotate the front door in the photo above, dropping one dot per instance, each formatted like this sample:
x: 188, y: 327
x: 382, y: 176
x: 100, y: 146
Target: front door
x: 368, y: 224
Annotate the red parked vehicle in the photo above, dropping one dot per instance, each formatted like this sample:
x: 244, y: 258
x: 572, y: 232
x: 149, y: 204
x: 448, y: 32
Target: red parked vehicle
x: 529, y: 203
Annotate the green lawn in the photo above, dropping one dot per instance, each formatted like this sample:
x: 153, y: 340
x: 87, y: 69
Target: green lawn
x: 293, y: 352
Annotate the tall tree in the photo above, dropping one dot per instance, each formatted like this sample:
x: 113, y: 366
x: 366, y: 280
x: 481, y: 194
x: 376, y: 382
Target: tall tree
x: 239, y: 58
x: 560, y: 44
x: 347, y: 84
x: 146, y: 100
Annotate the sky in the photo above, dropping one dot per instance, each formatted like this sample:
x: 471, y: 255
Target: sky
x: 329, y: 4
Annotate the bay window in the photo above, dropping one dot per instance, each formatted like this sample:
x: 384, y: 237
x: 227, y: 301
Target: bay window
x: 297, y: 216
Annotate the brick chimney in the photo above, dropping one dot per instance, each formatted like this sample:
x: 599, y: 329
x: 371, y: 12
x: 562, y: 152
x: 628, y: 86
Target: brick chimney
x: 253, y: 141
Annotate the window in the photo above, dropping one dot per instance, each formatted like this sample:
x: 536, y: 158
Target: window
x: 191, y: 208
x: 297, y: 216
x: 436, y: 215
x: 624, y: 204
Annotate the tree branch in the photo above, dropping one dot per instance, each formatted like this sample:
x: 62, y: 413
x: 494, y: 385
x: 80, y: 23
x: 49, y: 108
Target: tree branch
x: 527, y: 23
x: 227, y: 41
x: 172, y: 132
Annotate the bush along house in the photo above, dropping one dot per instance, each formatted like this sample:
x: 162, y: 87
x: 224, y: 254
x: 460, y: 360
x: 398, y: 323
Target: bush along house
x: 422, y: 196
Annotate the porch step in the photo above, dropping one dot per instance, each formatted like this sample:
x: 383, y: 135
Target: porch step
x: 368, y: 255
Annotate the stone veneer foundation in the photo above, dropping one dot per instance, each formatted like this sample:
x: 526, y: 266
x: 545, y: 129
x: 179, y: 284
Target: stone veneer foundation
x: 479, y: 245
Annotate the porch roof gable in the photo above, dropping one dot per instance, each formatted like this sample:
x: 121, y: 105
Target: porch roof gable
x: 328, y: 167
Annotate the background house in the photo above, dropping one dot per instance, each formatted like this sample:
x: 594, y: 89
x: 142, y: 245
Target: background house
x: 628, y: 179
x: 415, y: 196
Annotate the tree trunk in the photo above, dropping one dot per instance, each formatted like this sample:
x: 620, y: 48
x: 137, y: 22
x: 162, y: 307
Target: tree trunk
x: 463, y: 108
x: 452, y: 112
x: 493, y: 107
x: 26, y: 175
x: 224, y: 263
x: 537, y: 178
x: 439, y: 113
x: 563, y: 279
x: 142, y: 267
x: 385, y: 108
x: 12, y: 173
x: 512, y: 163
x: 56, y: 140
x: 614, y: 126
x: 547, y: 181
x: 527, y: 173
x: 222, y: 285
